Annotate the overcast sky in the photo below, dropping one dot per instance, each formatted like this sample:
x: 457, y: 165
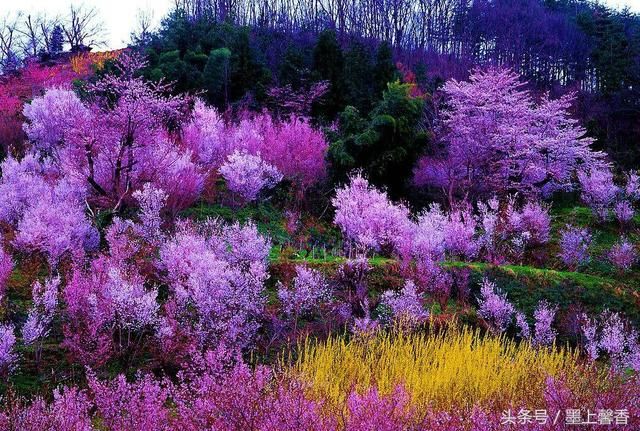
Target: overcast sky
x: 120, y: 16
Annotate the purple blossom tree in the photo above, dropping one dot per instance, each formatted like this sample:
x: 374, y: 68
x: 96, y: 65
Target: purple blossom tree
x: 7, y: 344
x: 41, y: 314
x: 624, y: 212
x: 404, y: 307
x: 6, y: 267
x: 524, y: 331
x: 544, y: 314
x: 109, y: 311
x: 367, y: 217
x: 247, y: 175
x: 494, y: 306
x: 309, y: 291
x: 217, y: 275
x: 623, y: 255
x: 612, y: 336
x: 151, y: 201
x: 499, y: 140
x: 51, y: 119
x: 574, y: 246
x: 55, y: 226
x: 459, y: 233
x: 598, y: 191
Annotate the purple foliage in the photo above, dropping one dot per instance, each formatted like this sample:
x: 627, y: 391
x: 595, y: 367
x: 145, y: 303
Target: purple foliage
x: 535, y: 219
x: 623, y: 255
x: 383, y: 413
x: 50, y: 119
x: 309, y: 291
x: 499, y: 139
x: 21, y: 185
x: 624, y: 212
x: 459, y: 233
x: 247, y: 175
x: 367, y: 217
x: 41, y: 313
x: 524, y: 331
x: 611, y: 335
x: 404, y: 307
x: 574, y: 246
x: 494, y: 306
x: 7, y: 343
x: 151, y: 201
x: 108, y: 311
x: 218, y: 273
x: 544, y: 314
x: 69, y: 411
x: 124, y: 406
x: 6, y: 267
x: 598, y: 191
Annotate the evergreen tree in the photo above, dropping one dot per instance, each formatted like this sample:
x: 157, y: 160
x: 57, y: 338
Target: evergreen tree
x: 386, y: 145
x: 385, y: 69
x: 216, y: 76
x: 57, y: 40
x: 328, y: 63
x: 358, y: 73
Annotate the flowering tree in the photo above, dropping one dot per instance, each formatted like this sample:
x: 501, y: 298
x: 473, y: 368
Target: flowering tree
x: 217, y: 275
x: 309, y: 291
x: 108, y: 311
x: 119, y: 140
x: 247, y: 175
x: 51, y: 119
x: 404, y: 307
x: 598, y: 191
x: 7, y: 344
x: 367, y: 217
x: 623, y: 255
x: 151, y: 201
x: 624, y: 212
x: 55, y: 226
x: 292, y: 146
x: 6, y: 266
x: 544, y: 314
x: 494, y: 306
x: 609, y: 334
x: 46, y: 210
x: 574, y: 246
x: 498, y: 140
x: 41, y: 313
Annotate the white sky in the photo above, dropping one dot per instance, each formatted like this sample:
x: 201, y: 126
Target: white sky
x: 120, y: 16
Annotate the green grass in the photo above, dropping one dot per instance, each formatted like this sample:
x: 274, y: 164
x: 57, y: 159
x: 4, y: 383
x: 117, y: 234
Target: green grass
x: 526, y: 286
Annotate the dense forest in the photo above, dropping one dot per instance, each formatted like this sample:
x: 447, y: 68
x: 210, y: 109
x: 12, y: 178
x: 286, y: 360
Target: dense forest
x: 322, y: 215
